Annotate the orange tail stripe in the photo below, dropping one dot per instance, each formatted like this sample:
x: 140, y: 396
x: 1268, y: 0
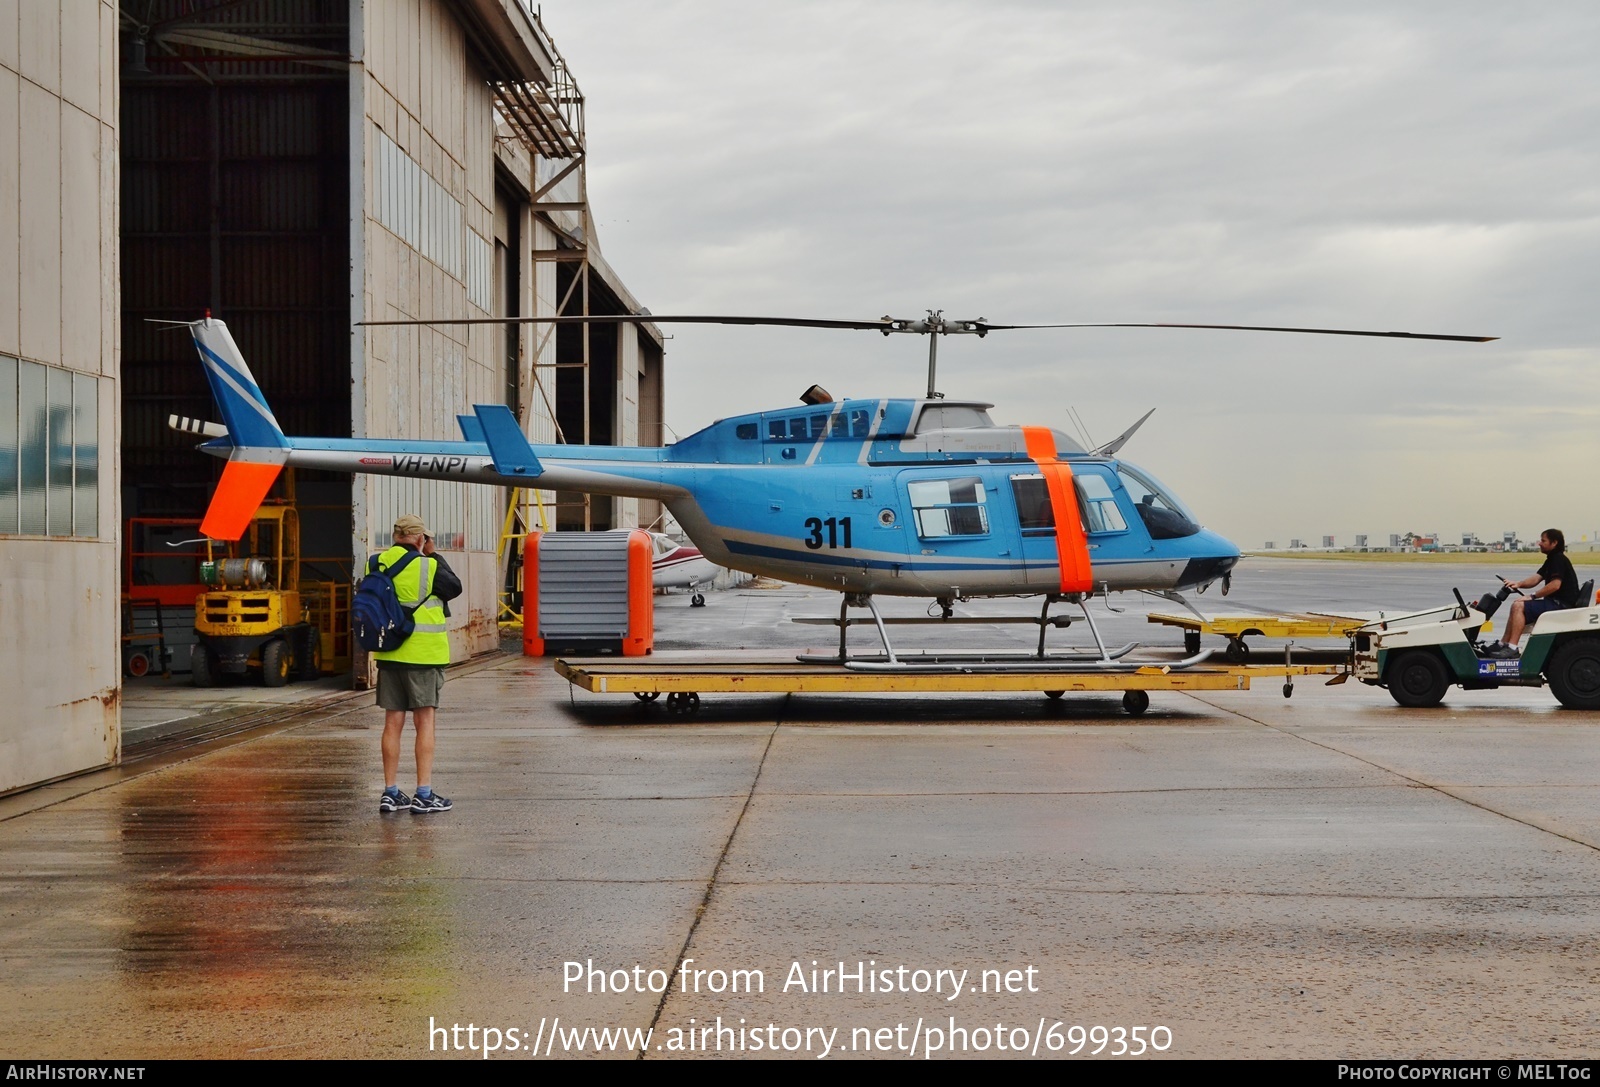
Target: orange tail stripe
x: 239, y: 494
x: 1072, y: 547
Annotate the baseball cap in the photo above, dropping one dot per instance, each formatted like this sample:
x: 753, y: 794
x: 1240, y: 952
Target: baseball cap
x: 409, y: 525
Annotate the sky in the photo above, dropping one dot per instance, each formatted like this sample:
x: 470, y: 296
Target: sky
x: 1424, y: 167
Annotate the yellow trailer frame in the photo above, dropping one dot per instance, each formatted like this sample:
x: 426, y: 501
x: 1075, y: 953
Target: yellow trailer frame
x: 684, y: 680
x: 1236, y: 627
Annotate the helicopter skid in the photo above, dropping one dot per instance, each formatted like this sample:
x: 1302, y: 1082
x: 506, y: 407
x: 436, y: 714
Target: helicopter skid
x: 997, y: 664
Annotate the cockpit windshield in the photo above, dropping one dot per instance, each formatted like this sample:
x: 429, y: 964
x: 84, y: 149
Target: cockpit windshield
x: 1163, y: 515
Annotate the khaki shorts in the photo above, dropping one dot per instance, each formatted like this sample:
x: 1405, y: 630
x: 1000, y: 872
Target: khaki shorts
x: 409, y: 688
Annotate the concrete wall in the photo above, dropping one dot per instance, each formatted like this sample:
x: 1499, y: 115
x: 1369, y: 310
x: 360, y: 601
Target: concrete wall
x: 59, y: 297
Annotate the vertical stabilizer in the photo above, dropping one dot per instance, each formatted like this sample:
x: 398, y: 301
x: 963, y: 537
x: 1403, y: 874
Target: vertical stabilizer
x: 259, y: 447
x: 249, y: 420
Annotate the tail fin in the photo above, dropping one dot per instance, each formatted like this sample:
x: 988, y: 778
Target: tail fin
x: 259, y: 447
x: 249, y: 420
x: 243, y: 485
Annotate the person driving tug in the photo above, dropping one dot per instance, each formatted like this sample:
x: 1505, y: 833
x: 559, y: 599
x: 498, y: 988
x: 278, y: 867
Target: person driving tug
x: 1558, y: 588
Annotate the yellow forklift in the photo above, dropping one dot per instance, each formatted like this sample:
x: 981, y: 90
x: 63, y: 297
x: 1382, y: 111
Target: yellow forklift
x: 251, y: 619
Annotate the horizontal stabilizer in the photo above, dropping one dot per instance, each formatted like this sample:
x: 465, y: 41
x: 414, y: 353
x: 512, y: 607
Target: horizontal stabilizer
x: 508, y: 446
x: 243, y: 485
x: 196, y: 426
x: 471, y: 429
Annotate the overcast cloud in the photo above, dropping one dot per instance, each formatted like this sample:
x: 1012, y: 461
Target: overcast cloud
x: 1422, y: 167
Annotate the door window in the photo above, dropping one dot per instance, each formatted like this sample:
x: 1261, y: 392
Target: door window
x: 949, y: 507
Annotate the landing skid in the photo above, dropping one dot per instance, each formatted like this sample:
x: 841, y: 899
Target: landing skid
x: 1101, y: 659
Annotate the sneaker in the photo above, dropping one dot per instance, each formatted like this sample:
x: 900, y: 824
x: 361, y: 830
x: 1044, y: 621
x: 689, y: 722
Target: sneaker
x: 394, y: 802
x: 434, y: 803
x: 1501, y: 651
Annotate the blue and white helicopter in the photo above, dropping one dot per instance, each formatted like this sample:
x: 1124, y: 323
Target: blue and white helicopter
x: 921, y: 497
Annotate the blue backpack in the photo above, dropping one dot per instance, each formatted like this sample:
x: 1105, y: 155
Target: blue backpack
x: 378, y: 620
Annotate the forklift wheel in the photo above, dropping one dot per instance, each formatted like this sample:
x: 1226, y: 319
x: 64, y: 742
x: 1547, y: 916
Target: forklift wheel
x: 1417, y: 679
x: 275, y: 663
x: 137, y: 664
x: 1574, y: 674
x: 202, y: 669
x: 308, y: 655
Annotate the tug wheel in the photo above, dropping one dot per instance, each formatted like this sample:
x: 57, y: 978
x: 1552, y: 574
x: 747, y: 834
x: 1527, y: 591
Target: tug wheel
x: 1417, y: 679
x: 1136, y: 702
x: 1574, y: 674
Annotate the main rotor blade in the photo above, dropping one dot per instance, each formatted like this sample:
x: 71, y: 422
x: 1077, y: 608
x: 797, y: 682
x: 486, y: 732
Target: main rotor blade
x: 649, y: 318
x: 886, y: 326
x: 1259, y: 328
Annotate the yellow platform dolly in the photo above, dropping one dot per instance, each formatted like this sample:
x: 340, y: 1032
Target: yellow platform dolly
x: 1236, y: 627
x: 683, y: 678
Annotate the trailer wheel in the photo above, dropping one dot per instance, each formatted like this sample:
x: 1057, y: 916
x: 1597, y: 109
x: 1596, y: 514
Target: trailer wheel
x: 1054, y: 695
x: 202, y: 670
x: 647, y: 696
x: 1191, y: 642
x: 1574, y: 674
x: 1237, y: 652
x: 275, y: 663
x: 1417, y: 679
x: 1136, y: 702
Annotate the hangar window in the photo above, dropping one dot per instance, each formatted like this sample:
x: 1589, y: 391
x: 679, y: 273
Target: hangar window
x: 49, y: 451
x: 949, y: 507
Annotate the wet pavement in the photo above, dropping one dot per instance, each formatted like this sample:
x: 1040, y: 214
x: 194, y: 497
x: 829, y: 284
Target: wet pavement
x: 1323, y: 876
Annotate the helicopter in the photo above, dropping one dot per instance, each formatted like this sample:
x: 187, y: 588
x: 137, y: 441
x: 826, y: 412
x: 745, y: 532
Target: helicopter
x: 892, y: 496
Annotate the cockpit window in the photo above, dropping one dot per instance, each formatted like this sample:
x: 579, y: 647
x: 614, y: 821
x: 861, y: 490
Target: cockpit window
x: 747, y: 431
x: 1161, y: 514
x: 1097, y: 505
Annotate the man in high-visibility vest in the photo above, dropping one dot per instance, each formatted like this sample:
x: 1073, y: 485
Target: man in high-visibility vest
x: 410, y: 676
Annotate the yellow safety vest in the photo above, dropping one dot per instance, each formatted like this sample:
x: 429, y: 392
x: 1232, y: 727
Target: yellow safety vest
x: 429, y: 643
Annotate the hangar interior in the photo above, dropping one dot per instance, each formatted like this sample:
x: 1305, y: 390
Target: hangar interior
x: 294, y: 167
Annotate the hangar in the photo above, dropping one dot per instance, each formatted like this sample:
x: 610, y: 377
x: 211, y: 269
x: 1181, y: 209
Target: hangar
x: 294, y: 167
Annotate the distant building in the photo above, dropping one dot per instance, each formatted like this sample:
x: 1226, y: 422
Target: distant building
x: 1295, y: 544
x: 1271, y: 545
x: 1327, y: 541
x: 1361, y: 539
x: 1394, y: 539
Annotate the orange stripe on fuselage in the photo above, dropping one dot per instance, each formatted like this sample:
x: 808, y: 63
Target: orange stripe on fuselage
x: 1072, y: 547
x: 239, y: 493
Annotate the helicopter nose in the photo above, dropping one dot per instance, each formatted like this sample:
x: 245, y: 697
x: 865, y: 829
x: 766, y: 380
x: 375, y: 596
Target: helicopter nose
x: 1214, y: 556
